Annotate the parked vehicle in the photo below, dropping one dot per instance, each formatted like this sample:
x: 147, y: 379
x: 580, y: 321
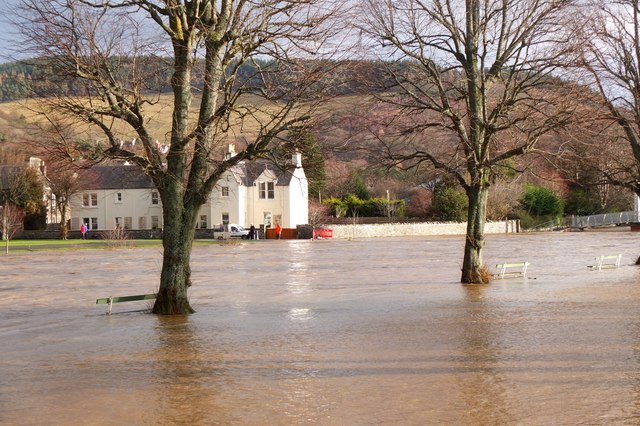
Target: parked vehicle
x: 238, y: 231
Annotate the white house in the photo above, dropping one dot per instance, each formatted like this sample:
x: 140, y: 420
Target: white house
x: 257, y: 192
x: 115, y: 196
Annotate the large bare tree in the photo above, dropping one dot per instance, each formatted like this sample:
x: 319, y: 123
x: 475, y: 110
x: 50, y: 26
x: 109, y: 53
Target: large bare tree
x: 232, y: 65
x: 610, y: 66
x: 469, y: 83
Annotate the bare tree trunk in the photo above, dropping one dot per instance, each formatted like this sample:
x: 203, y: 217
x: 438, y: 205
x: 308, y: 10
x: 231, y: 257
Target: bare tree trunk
x: 175, y: 279
x: 472, y: 264
x: 5, y: 228
x: 64, y: 230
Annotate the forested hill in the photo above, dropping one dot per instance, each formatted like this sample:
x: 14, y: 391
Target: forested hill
x: 15, y: 81
x: 19, y: 80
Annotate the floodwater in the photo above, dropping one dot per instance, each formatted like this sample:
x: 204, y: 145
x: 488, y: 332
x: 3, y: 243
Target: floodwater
x: 366, y: 332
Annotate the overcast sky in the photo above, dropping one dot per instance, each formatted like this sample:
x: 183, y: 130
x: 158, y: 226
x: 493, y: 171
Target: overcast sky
x: 8, y: 31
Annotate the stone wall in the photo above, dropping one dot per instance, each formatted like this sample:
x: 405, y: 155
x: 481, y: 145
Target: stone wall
x: 306, y: 231
x: 414, y: 229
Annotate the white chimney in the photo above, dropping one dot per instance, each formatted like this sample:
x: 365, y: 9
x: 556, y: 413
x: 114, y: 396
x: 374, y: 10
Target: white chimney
x: 297, y: 160
x: 232, y: 151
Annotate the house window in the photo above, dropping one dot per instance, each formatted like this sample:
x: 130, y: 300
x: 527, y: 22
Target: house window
x: 225, y: 218
x: 118, y: 222
x: 225, y: 191
x: 90, y: 200
x: 142, y: 222
x: 118, y: 197
x: 266, y: 190
x: 203, y: 221
x: 155, y: 222
x: 91, y: 222
x: 127, y: 222
x: 154, y: 198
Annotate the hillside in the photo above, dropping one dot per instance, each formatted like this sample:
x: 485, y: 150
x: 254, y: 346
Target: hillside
x: 344, y: 142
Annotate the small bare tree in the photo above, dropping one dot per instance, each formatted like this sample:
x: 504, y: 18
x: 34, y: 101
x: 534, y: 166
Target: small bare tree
x: 12, y: 217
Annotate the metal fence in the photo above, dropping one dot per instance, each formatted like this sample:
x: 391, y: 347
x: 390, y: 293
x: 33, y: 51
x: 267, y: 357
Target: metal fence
x: 620, y: 218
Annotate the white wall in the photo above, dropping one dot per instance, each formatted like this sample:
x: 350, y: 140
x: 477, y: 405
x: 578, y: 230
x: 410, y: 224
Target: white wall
x: 298, y: 200
x: 135, y: 203
x: 414, y: 229
x: 217, y: 204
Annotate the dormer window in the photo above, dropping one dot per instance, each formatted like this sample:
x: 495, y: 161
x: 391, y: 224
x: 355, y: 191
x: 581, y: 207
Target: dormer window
x: 266, y: 190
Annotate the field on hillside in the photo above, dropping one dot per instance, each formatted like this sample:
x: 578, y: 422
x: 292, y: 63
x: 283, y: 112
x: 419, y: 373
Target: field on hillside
x: 14, y: 116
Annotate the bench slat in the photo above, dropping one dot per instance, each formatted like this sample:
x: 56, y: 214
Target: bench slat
x: 109, y: 301
x: 118, y: 299
x: 511, y: 265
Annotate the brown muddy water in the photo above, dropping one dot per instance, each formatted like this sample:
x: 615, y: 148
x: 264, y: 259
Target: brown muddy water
x: 367, y: 332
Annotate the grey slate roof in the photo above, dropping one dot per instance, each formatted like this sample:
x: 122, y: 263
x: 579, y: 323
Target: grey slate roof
x: 132, y: 177
x: 113, y: 177
x: 250, y: 171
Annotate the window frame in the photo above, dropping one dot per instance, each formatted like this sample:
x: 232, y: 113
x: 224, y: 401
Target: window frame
x: 90, y: 199
x: 266, y: 190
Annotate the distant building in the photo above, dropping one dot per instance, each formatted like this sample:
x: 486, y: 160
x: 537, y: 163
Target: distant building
x: 109, y: 197
x: 256, y: 192
x: 259, y: 193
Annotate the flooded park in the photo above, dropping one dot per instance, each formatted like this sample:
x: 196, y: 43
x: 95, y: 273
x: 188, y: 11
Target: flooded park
x: 334, y: 332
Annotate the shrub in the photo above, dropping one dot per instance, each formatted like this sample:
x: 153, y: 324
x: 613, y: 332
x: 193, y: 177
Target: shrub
x: 581, y: 203
x: 450, y: 204
x: 540, y: 201
x: 353, y: 206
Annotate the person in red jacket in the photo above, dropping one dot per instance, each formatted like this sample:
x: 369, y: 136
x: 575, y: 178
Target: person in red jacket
x: 278, y: 231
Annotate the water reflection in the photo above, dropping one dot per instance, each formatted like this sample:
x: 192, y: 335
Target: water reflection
x: 298, y: 274
x: 483, y: 388
x: 185, y: 374
x: 300, y: 314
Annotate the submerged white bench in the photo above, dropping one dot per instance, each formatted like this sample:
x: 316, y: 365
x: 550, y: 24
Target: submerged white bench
x: 109, y: 301
x: 507, y: 269
x: 612, y: 261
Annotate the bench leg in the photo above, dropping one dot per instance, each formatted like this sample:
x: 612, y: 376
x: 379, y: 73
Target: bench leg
x: 109, y: 306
